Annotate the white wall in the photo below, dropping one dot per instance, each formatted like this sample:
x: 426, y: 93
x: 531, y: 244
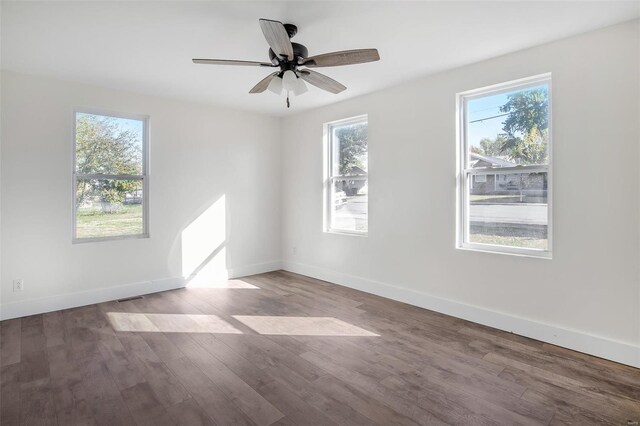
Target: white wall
x: 198, y: 154
x: 588, y: 295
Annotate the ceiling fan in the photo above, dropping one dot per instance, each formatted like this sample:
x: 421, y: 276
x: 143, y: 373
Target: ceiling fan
x: 290, y: 57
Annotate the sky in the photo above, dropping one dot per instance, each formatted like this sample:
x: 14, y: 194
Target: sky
x: 487, y: 106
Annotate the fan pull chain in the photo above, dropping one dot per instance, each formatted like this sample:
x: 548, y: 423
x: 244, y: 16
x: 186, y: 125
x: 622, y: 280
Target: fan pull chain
x: 288, y: 104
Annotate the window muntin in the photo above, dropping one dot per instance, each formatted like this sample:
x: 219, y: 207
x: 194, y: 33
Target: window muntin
x: 347, y: 183
x: 110, y: 199
x: 505, y: 178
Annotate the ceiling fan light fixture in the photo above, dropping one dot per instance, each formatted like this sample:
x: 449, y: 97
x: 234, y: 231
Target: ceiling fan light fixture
x: 275, y: 85
x: 289, y: 80
x: 287, y: 57
x: 300, y: 88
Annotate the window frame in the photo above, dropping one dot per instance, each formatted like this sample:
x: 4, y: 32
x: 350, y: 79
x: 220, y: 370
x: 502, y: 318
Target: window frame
x: 464, y: 173
x: 329, y: 177
x: 144, y: 177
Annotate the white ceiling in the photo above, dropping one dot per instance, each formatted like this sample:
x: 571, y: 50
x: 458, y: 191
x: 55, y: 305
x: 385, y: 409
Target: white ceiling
x: 147, y: 47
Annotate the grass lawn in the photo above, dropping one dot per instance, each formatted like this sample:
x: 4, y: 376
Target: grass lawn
x: 93, y: 223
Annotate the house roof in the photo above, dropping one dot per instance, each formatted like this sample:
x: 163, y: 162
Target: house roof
x: 355, y: 170
x: 491, y: 161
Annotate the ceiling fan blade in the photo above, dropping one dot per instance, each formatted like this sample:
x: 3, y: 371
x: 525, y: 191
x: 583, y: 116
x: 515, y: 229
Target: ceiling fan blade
x: 232, y: 62
x: 345, y: 57
x: 321, y: 81
x: 277, y: 37
x: 263, y: 84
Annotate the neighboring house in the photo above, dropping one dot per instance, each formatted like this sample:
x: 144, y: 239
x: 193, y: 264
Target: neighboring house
x: 504, y: 183
x: 353, y: 181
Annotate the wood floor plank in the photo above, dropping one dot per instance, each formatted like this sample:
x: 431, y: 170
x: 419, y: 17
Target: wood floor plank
x: 119, y: 363
x: 258, y: 409
x: 10, y: 341
x: 33, y: 338
x: 292, y: 405
x: 371, y: 386
x: 557, y: 391
x: 361, y: 402
x: 232, y: 355
x: 71, y: 406
x: 337, y: 410
x: 34, y: 367
x: 249, y: 372
x: 10, y: 395
x: 215, y: 403
x: 145, y: 407
x: 189, y: 413
x: 36, y: 404
x: 163, y: 383
x: 53, y: 329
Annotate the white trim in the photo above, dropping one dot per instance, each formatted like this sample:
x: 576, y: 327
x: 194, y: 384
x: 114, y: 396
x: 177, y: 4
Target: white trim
x: 599, y: 346
x: 256, y: 268
x: 463, y: 173
x: 41, y: 305
x: 22, y: 308
x: 507, y: 170
x: 514, y: 251
x: 328, y: 177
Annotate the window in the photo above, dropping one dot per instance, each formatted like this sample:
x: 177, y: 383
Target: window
x: 346, y: 183
x: 504, y: 182
x: 110, y: 177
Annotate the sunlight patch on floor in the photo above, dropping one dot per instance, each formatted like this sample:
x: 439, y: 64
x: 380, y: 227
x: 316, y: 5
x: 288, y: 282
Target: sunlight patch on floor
x: 170, y: 323
x: 301, y: 326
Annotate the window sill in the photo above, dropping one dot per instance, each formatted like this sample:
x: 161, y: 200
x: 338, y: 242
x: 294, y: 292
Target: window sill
x: 536, y: 254
x: 101, y: 239
x: 349, y: 233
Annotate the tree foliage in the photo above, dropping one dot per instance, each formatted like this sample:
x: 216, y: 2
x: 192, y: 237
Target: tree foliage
x: 492, y: 147
x: 526, y: 127
x: 352, y: 147
x: 104, y: 147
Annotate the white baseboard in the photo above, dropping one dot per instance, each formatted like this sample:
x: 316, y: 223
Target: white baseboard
x: 256, y: 268
x: 23, y: 308
x: 602, y: 347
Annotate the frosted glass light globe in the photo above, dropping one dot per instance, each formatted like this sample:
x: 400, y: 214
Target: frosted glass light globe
x: 289, y: 80
x: 275, y: 85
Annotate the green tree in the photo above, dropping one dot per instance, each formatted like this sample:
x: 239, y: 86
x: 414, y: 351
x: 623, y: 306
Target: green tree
x: 526, y: 126
x: 352, y: 147
x: 104, y: 147
x: 492, y: 147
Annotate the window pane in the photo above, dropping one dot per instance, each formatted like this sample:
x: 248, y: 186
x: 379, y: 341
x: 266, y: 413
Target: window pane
x: 508, y: 129
x: 108, y: 145
x: 109, y: 208
x: 348, y: 194
x: 350, y: 205
x: 350, y: 150
x: 508, y: 209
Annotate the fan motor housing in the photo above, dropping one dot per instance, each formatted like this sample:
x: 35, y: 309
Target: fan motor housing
x: 299, y: 51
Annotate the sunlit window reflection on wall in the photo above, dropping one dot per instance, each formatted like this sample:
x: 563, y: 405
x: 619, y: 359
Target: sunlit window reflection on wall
x: 203, y: 247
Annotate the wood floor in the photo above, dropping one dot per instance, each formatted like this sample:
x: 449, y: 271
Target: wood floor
x: 224, y: 356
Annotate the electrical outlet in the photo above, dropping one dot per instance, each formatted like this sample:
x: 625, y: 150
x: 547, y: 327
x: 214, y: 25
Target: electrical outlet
x: 18, y: 284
